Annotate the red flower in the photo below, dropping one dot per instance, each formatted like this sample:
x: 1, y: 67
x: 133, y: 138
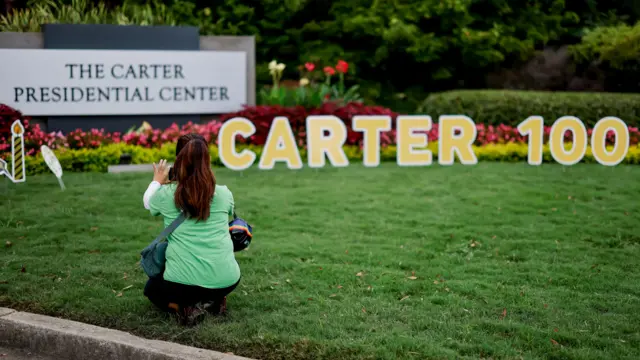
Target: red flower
x: 342, y: 66
x: 329, y: 70
x: 309, y: 66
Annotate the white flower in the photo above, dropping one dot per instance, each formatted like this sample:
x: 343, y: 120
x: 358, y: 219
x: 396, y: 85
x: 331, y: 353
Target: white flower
x: 304, y: 82
x: 275, y: 70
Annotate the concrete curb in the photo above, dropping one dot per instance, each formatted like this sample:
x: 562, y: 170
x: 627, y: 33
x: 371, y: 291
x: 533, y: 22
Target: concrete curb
x: 65, y: 339
x: 117, y: 169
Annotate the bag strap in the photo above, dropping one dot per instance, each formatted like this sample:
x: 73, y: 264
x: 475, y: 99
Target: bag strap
x: 169, y: 229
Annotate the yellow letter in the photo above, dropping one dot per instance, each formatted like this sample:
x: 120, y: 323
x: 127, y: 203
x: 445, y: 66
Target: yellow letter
x: 318, y: 144
x: 280, y: 146
x: 598, y: 141
x: 227, y: 143
x: 449, y: 143
x: 408, y: 141
x: 533, y: 126
x: 556, y: 140
x: 371, y: 125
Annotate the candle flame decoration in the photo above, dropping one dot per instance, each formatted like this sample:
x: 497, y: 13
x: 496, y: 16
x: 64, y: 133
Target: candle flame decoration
x: 17, y: 173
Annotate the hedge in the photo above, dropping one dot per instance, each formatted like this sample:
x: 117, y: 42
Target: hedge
x: 98, y: 160
x: 513, y: 107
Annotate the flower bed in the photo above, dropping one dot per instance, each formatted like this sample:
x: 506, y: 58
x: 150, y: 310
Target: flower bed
x: 99, y: 159
x: 95, y: 150
x: 312, y: 90
x: 262, y: 117
x: 7, y: 116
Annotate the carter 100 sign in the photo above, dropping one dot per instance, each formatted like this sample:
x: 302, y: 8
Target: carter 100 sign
x: 457, y: 134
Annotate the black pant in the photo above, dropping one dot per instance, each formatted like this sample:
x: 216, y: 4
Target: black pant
x: 162, y: 292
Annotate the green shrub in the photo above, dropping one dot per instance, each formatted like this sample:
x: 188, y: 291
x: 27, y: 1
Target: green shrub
x: 395, y: 46
x: 98, y: 160
x: 615, y: 50
x: 513, y: 107
x: 618, y: 46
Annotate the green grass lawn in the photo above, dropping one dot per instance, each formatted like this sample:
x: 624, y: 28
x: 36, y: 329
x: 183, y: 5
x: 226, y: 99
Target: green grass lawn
x: 500, y: 261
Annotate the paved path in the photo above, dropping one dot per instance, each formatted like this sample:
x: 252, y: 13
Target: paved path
x: 15, y: 354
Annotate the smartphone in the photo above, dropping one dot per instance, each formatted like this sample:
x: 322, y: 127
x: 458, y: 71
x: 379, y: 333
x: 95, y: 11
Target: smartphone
x: 171, y: 174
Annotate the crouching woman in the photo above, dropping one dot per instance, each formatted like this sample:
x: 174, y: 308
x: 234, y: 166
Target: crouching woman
x: 200, y: 269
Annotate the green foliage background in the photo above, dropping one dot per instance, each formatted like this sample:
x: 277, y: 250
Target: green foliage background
x: 616, y: 48
x: 400, y: 50
x: 497, y: 107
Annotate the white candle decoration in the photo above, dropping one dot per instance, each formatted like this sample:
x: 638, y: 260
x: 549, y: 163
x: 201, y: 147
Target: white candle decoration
x: 17, y: 152
x: 17, y: 173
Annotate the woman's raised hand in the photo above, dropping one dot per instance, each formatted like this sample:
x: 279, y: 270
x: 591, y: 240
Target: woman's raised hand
x: 161, y: 172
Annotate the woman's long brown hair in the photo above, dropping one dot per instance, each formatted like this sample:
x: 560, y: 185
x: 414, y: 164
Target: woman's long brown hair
x: 192, y: 172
